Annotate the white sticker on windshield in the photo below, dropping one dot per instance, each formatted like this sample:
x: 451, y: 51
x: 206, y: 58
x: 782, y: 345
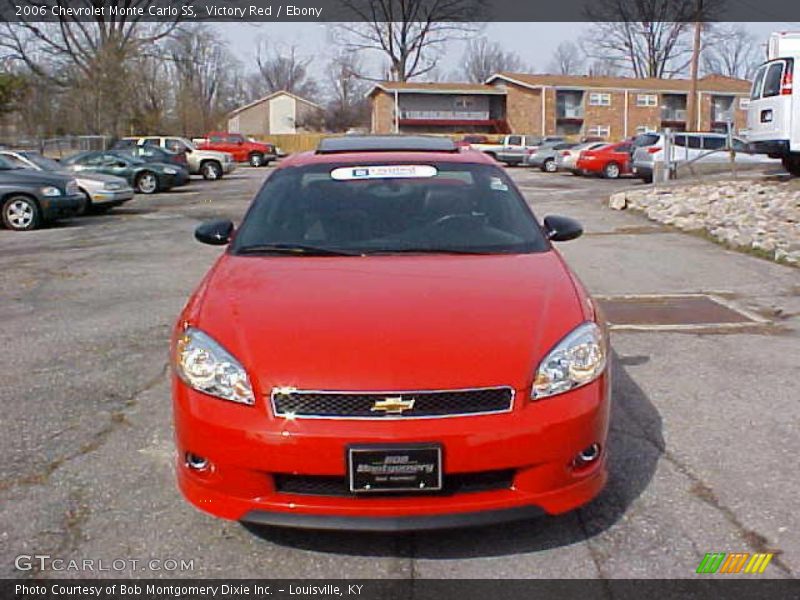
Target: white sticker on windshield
x: 384, y: 172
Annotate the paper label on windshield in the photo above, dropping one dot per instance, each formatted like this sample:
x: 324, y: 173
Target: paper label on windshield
x: 384, y: 172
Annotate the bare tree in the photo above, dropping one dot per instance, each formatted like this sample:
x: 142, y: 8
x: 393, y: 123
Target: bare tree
x: 731, y: 50
x: 203, y: 67
x: 567, y: 59
x: 410, y: 34
x: 283, y: 69
x: 483, y: 59
x: 348, y: 106
x: 646, y: 38
x: 92, y: 57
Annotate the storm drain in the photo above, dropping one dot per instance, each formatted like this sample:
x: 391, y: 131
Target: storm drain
x: 675, y: 312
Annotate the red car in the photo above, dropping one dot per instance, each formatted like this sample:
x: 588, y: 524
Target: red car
x: 609, y: 161
x: 243, y: 149
x: 390, y: 342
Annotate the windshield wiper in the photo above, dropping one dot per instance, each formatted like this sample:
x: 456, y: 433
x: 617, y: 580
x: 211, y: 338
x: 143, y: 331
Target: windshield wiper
x: 294, y: 249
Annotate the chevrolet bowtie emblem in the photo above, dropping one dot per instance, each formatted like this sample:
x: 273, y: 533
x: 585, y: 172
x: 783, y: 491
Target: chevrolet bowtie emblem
x: 393, y: 405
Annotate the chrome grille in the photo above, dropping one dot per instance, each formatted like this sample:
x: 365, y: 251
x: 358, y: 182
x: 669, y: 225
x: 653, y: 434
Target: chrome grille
x: 384, y: 405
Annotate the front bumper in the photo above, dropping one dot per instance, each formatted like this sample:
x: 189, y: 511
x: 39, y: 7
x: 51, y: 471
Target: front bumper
x: 247, y: 447
x: 60, y: 207
x: 111, y: 197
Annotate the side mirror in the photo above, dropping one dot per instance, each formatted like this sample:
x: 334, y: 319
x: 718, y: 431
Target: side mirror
x: 215, y: 233
x: 562, y: 229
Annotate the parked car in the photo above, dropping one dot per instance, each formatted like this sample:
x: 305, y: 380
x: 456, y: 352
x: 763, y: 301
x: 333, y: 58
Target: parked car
x: 544, y: 157
x: 242, y: 149
x: 567, y: 158
x: 513, y: 148
x: 649, y: 149
x: 208, y: 163
x: 146, y: 178
x: 370, y: 253
x: 101, y: 192
x: 610, y: 161
x: 149, y: 153
x: 773, y: 113
x: 29, y: 199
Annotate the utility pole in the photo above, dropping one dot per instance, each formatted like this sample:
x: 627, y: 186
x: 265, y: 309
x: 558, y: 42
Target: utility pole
x: 693, y: 109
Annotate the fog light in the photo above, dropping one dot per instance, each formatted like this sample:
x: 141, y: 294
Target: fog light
x: 587, y: 456
x: 196, y: 463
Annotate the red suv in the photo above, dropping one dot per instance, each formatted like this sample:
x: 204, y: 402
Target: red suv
x: 390, y: 342
x: 243, y: 149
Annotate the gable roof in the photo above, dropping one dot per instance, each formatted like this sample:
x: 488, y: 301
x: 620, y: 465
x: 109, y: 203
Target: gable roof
x: 268, y: 97
x: 709, y: 83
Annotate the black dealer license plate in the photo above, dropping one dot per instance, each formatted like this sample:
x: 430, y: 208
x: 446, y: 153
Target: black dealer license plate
x: 395, y: 468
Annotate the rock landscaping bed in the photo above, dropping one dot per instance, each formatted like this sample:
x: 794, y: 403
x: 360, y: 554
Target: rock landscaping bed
x: 755, y: 215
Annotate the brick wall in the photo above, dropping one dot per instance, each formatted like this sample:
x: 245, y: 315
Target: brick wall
x: 524, y: 109
x: 382, y: 112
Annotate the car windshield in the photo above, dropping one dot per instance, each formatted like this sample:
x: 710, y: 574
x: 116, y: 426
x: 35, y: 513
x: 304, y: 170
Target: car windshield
x: 645, y: 139
x: 430, y: 208
x: 47, y: 164
x: 6, y: 165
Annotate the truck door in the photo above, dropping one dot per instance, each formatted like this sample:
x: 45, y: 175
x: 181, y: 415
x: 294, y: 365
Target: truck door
x: 769, y: 114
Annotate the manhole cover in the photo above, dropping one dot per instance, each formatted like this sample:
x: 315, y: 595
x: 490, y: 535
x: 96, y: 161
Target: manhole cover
x: 684, y: 311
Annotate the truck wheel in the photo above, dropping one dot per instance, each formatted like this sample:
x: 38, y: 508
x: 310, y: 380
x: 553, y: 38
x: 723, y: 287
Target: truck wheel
x: 21, y: 213
x: 792, y: 164
x: 256, y: 159
x: 611, y: 170
x: 211, y: 170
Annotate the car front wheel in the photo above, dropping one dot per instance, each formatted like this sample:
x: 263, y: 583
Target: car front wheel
x: 611, y: 170
x: 256, y: 160
x: 211, y: 170
x: 146, y: 183
x: 21, y: 213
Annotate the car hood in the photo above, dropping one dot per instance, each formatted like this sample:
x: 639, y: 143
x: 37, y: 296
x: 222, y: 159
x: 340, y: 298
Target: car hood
x: 389, y: 322
x: 31, y: 177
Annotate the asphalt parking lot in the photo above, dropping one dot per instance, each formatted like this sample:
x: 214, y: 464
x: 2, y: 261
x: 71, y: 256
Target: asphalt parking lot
x: 703, y: 437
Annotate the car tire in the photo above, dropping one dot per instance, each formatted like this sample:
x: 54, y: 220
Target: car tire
x: 87, y: 207
x: 549, y: 166
x: 256, y: 159
x: 21, y: 213
x: 146, y: 183
x: 792, y: 164
x: 211, y: 170
x: 611, y: 171
x: 647, y: 178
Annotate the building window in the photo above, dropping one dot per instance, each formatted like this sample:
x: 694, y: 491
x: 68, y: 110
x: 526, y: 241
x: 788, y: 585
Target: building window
x: 646, y: 100
x: 598, y: 99
x: 464, y: 102
x: 599, y: 131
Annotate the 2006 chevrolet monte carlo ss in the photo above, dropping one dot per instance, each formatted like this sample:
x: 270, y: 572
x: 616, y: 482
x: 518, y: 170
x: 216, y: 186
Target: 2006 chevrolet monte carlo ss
x: 390, y: 342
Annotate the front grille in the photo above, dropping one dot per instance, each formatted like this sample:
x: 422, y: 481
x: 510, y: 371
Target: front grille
x: 459, y: 483
x: 382, y: 405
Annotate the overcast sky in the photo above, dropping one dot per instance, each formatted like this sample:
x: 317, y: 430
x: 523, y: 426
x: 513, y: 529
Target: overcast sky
x: 533, y: 42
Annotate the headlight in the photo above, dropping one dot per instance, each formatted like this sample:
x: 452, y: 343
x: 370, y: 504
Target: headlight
x: 51, y: 191
x: 576, y: 360
x: 170, y: 171
x: 207, y: 367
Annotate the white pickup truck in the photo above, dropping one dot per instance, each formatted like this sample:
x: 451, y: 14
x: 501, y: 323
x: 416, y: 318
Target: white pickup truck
x: 514, y: 147
x: 773, y: 113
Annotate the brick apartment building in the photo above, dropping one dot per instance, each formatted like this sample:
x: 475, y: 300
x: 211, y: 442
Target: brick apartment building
x: 608, y: 107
